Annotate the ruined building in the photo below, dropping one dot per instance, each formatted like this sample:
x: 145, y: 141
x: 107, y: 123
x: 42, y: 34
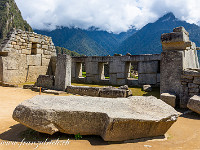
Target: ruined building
x: 24, y: 56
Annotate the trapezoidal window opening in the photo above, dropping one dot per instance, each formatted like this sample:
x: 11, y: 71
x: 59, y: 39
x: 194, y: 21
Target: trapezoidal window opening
x: 34, y: 49
x: 106, y: 71
x: 83, y: 70
x: 80, y: 70
x: 103, y: 71
x: 133, y: 74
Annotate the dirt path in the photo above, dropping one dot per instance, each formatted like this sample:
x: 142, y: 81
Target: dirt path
x: 184, y: 134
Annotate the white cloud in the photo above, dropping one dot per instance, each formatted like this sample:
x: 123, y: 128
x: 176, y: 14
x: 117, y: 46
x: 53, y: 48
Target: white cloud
x: 110, y: 15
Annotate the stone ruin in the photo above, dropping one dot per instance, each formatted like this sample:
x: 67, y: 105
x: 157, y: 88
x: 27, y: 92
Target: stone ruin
x: 27, y: 57
x: 176, y: 70
x: 24, y: 56
x: 147, y: 66
x: 180, y: 73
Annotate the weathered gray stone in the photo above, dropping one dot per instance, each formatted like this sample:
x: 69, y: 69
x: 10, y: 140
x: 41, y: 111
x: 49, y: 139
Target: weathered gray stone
x: 192, y: 85
x: 178, y: 40
x: 35, y: 71
x: 184, y: 83
x: 120, y: 82
x: 54, y: 92
x: 63, y: 72
x: 179, y: 54
x: 148, y: 67
x: 193, y: 93
x: 171, y: 71
x: 132, y: 82
x: 169, y: 98
x: 147, y: 88
x: 187, y: 80
x: 26, y: 51
x: 196, y: 80
x: 113, y: 93
x: 192, y: 73
x: 158, y: 77
x: 45, y: 62
x: 83, y: 90
x: 115, y: 119
x: 194, y: 104
x: 180, y: 29
x: 28, y: 86
x: 144, y: 79
x: 45, y: 81
x: 124, y: 87
x: 34, y: 60
x: 193, y: 90
x: 190, y: 59
x: 187, y: 77
x: 36, y: 89
x: 184, y: 97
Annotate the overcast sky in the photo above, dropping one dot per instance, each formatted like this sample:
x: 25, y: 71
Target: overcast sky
x: 110, y: 15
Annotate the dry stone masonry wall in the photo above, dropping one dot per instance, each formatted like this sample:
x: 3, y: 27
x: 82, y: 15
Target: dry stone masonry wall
x: 24, y: 56
x: 191, y: 83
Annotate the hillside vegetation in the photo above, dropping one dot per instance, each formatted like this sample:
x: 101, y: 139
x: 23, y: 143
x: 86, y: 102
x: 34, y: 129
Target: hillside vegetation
x: 10, y: 17
x: 62, y: 50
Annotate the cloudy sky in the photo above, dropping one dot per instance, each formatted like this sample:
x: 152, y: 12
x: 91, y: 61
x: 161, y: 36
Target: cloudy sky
x: 110, y: 15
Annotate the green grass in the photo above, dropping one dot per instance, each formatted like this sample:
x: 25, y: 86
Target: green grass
x: 83, y: 74
x: 135, y: 90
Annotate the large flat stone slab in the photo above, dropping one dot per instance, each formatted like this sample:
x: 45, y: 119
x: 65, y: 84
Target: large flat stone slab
x: 114, y: 119
x: 194, y: 104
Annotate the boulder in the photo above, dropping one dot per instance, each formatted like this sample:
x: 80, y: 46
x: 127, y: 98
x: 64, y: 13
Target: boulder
x: 194, y: 104
x: 147, y: 88
x: 114, y: 119
x: 124, y: 87
x: 169, y: 98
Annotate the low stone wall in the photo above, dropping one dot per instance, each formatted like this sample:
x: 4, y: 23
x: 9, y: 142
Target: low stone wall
x: 190, y: 81
x: 83, y: 90
x: 109, y: 92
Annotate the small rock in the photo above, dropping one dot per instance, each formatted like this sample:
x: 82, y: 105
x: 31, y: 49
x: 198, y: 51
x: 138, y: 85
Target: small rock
x: 147, y: 146
x: 147, y: 88
x: 194, y: 104
x: 28, y: 86
x: 169, y: 98
x: 125, y: 87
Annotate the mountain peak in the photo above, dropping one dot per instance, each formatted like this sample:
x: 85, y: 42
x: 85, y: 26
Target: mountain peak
x: 169, y: 16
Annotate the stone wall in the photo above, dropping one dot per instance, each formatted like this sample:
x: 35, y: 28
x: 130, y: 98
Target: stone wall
x: 24, y: 56
x: 190, y: 81
x: 119, y: 69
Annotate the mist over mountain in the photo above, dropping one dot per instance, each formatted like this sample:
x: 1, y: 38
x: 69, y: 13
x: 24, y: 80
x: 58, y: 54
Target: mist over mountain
x: 147, y: 39
x: 97, y: 42
x: 88, y: 42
